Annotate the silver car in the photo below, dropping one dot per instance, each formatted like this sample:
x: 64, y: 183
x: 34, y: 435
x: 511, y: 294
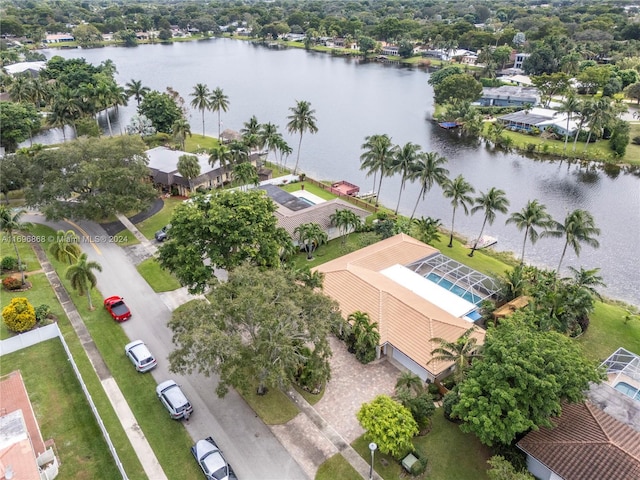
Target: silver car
x: 171, y: 396
x: 140, y: 356
x: 211, y: 461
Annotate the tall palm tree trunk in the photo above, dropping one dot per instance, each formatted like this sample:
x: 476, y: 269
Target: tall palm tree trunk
x: 475, y: 244
x: 15, y: 246
x: 524, y: 244
x: 566, y: 134
x: 564, y: 250
x: 89, y: 296
x: 106, y: 111
x: 399, y: 196
x: 295, y: 169
x: 417, y: 202
x: 379, y: 187
x: 453, y: 221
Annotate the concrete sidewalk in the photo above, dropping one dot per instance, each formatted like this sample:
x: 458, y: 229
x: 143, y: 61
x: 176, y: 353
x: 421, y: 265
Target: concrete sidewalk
x: 134, y: 433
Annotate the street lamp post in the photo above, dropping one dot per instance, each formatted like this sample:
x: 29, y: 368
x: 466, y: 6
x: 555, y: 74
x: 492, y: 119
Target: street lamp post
x: 372, y: 447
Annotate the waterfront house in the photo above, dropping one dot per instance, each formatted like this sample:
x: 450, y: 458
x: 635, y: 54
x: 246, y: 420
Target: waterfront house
x: 59, y: 38
x: 538, y: 118
x: 508, y: 96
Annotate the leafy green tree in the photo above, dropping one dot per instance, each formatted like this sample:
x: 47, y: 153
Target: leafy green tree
x: 259, y: 328
x: 411, y: 392
x: 459, y: 191
x: 18, y: 121
x: 461, y: 86
x: 493, y: 201
x: 135, y: 89
x: 222, y: 230
x: 405, y: 49
x: 633, y: 92
x: 310, y: 237
x: 19, y: 316
x: 245, y: 175
x: 366, y: 44
x: 619, y: 137
x: 578, y: 227
x: 189, y: 168
x: 218, y: 102
x: 161, y: 109
x: 439, y: 76
x: 346, y: 221
x: 10, y: 223
x: 104, y: 176
x: 460, y: 352
x: 201, y: 100
x: 87, y: 35
x: 428, y: 170
x: 389, y: 424
x: 521, y: 381
x: 81, y: 276
x: 301, y: 120
x: 376, y: 158
x: 550, y: 85
x: 533, y: 215
x: 502, y: 469
x: 66, y: 247
x: 12, y: 174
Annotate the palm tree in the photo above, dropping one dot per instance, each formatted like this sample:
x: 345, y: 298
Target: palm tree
x: 459, y: 191
x: 223, y: 156
x: 404, y: 163
x: 427, y: 229
x: 269, y: 136
x: 21, y: 90
x: 82, y: 277
x: 200, y: 100
x: 180, y: 130
x: 218, y: 102
x: 585, y: 110
x: 66, y: 109
x: 310, y: 237
x: 239, y: 151
x: 601, y: 115
x: 189, y: 168
x: 285, y: 150
x: 251, y: 127
x: 460, y: 352
x: 346, y: 221
x: 365, y: 336
x: 301, y: 120
x: 9, y: 224
x: 578, y: 227
x: 533, y: 215
x: 245, y: 175
x: 493, y: 201
x: 377, y: 157
x: 135, y: 89
x: 588, y: 280
x: 66, y: 248
x: 570, y: 106
x: 429, y: 170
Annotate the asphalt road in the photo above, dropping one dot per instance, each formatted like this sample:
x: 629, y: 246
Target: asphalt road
x: 247, y: 443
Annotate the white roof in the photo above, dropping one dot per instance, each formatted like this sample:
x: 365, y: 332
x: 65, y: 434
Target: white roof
x: 24, y: 66
x: 165, y: 160
x: 431, y: 292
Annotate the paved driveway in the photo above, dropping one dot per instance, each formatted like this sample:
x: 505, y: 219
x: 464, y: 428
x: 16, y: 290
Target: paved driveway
x: 248, y: 444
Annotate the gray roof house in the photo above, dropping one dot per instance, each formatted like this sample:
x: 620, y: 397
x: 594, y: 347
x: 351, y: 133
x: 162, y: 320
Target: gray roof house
x: 509, y: 95
x: 540, y: 118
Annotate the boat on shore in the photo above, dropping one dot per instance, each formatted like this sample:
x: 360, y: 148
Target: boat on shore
x: 483, y: 242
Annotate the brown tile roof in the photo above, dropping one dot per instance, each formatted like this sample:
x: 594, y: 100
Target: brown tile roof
x: 586, y: 444
x: 405, y: 320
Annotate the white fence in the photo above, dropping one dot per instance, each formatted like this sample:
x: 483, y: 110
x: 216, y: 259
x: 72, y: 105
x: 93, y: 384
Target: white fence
x: 48, y: 332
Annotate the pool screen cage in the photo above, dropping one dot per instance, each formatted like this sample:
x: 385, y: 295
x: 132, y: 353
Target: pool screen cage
x: 622, y: 363
x: 477, y: 284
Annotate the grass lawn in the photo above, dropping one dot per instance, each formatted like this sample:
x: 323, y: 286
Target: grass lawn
x: 154, y: 223
x: 159, y: 279
x: 197, y: 143
x: 274, y: 408
x: 450, y: 452
x: 64, y: 415
x: 310, y: 397
x: 277, y: 170
x: 130, y: 238
x: 294, y: 187
x: 337, y: 467
x: 333, y: 249
x: 168, y: 438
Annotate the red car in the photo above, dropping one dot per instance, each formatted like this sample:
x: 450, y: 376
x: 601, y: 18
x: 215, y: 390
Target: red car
x: 117, y: 308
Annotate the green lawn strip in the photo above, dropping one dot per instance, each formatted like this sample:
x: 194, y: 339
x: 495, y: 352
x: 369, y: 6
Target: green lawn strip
x: 277, y: 170
x: 450, y: 453
x: 607, y: 332
x: 483, y: 260
x: 274, y: 408
x: 311, y: 398
x: 27, y: 255
x: 195, y: 143
x: 337, y: 467
x: 320, y: 192
x: 168, y: 438
x: 126, y: 238
x: 327, y: 252
x: 159, y: 279
x: 154, y: 223
x: 64, y: 415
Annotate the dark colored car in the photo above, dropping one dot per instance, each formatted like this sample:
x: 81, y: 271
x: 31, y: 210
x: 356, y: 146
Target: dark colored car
x: 162, y: 234
x: 117, y: 308
x: 211, y: 460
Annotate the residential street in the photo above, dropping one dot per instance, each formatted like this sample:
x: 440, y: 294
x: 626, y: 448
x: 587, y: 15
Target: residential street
x: 248, y: 444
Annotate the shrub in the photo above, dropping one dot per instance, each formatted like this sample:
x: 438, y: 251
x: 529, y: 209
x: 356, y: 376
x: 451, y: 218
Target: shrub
x: 636, y: 140
x: 42, y: 312
x: 419, y: 467
x: 9, y: 263
x: 449, y: 401
x: 19, y: 315
x: 11, y: 283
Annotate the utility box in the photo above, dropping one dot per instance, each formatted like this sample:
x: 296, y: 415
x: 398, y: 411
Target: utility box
x: 409, y: 461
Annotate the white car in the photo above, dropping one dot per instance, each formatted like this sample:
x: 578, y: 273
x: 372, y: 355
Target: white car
x: 211, y: 461
x: 171, y: 396
x: 140, y: 356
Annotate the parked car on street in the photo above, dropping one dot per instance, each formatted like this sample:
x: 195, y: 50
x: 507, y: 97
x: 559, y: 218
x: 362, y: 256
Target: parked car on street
x: 140, y: 356
x: 211, y: 460
x: 174, y: 400
x: 162, y: 234
x: 117, y: 308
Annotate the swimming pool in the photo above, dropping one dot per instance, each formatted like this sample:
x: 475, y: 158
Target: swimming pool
x: 459, y: 291
x: 306, y: 200
x: 628, y: 390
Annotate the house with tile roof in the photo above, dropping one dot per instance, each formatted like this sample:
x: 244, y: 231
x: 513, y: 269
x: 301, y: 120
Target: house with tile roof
x: 388, y: 281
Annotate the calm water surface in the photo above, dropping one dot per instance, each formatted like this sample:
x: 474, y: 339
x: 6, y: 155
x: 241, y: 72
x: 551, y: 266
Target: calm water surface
x: 353, y: 100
